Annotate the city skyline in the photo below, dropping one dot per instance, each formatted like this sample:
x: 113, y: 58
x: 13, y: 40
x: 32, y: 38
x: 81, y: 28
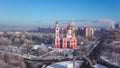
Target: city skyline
x: 46, y: 12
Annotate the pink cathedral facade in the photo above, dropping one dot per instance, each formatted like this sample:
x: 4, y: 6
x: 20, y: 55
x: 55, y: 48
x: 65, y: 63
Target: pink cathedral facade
x: 69, y: 41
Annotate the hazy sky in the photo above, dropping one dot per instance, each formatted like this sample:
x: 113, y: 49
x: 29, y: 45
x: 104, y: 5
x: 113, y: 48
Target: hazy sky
x: 46, y: 12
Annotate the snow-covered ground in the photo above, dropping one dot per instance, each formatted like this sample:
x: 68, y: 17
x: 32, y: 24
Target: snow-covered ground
x: 66, y: 51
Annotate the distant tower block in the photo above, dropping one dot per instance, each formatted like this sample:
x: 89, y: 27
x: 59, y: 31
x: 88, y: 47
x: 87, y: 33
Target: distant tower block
x: 69, y: 41
x: 89, y: 32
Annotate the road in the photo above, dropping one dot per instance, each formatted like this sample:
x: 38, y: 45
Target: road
x: 94, y: 55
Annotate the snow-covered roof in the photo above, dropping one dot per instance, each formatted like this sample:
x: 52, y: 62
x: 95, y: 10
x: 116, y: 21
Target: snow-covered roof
x: 36, y: 46
x: 64, y: 64
x: 69, y: 64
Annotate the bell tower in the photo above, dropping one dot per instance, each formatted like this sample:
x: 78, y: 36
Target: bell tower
x: 57, y: 38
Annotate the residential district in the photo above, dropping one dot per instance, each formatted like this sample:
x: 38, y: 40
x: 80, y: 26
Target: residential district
x: 61, y: 47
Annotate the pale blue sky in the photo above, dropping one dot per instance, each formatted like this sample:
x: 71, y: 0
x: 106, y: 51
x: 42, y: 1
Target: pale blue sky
x: 46, y: 12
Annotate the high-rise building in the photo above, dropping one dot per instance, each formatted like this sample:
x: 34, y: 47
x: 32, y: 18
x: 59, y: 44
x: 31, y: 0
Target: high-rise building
x: 69, y: 41
x: 117, y: 26
x: 86, y: 30
x: 89, y: 32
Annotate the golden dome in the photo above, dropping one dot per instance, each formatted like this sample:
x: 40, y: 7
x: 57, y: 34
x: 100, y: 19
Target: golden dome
x: 69, y: 27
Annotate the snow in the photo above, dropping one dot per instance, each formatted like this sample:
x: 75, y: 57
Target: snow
x: 67, y: 64
x: 100, y: 66
x: 64, y: 64
x: 36, y: 46
x: 105, y: 59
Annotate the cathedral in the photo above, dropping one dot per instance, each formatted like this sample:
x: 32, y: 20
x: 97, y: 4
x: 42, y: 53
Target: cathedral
x: 68, y: 41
